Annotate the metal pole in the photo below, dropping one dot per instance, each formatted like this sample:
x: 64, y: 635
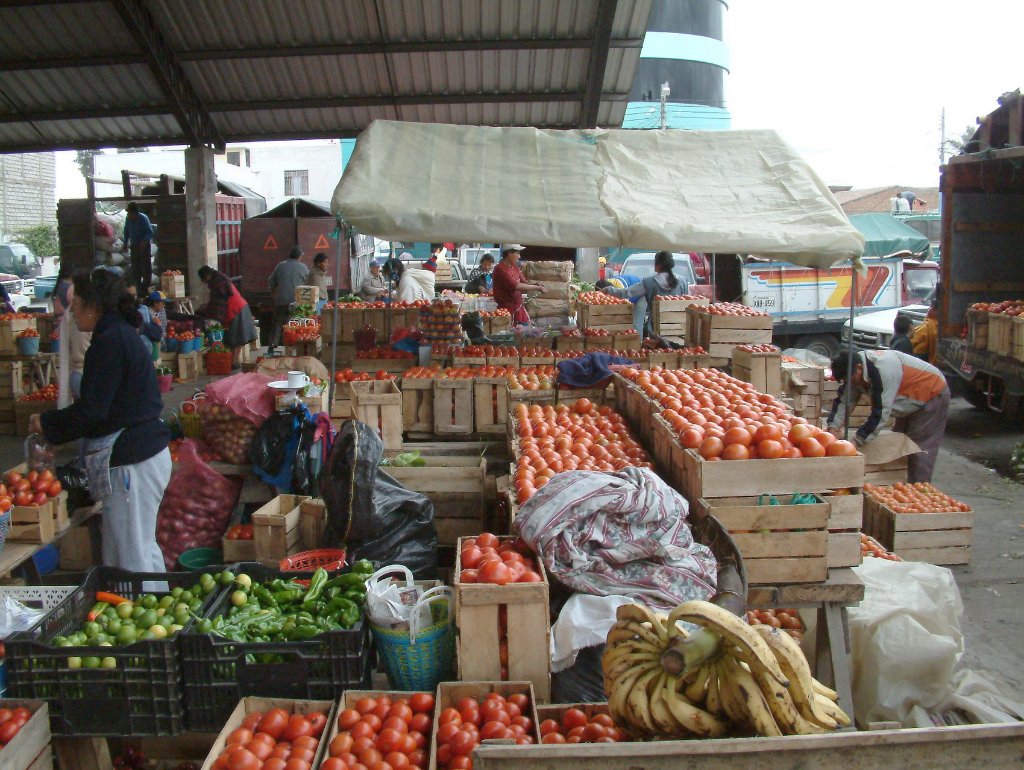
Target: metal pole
x: 334, y: 312
x: 711, y: 278
x: 390, y: 308
x: 849, y: 359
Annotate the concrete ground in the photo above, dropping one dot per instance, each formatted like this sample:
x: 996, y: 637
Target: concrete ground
x: 972, y: 467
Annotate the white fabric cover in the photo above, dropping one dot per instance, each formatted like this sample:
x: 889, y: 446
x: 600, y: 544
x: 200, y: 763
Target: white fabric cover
x: 706, y: 191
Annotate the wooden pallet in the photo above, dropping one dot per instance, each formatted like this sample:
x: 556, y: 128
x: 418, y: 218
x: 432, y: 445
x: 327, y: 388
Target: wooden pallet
x: 668, y: 316
x: 378, y: 404
x: 490, y: 404
x: 526, y: 607
x: 937, y: 538
x: 418, y: 405
x: 612, y: 318
x: 762, y: 370
x: 453, y: 407
x: 458, y: 488
x: 772, y: 552
x: 275, y: 528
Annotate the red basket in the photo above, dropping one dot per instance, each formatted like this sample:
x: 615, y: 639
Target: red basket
x: 331, y: 559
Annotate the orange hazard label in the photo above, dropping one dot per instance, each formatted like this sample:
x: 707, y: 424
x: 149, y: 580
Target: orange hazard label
x: 321, y: 242
x: 270, y: 244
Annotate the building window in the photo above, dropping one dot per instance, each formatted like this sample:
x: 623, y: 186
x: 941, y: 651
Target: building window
x: 296, y: 182
x: 239, y: 157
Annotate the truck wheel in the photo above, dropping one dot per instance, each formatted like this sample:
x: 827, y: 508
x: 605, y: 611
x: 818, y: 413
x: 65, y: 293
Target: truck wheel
x: 822, y: 344
x: 975, y: 398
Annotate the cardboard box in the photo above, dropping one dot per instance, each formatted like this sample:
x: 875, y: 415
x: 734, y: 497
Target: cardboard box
x: 173, y: 286
x: 887, y: 458
x: 307, y: 295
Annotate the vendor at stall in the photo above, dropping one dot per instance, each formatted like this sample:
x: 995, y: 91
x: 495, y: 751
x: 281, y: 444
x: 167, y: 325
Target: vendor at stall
x: 318, y: 277
x: 118, y: 419
x: 481, y: 281
x: 911, y: 390
x: 509, y: 284
x: 228, y: 308
x: 374, y: 286
x: 414, y: 284
x: 664, y: 283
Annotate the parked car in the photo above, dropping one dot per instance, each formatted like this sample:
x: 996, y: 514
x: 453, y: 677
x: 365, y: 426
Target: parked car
x: 641, y: 264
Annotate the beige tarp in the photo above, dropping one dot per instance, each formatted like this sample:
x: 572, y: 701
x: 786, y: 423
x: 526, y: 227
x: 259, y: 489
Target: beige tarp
x: 708, y: 191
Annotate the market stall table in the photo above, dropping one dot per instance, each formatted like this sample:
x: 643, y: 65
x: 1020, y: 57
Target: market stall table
x: 42, y: 366
x: 15, y: 555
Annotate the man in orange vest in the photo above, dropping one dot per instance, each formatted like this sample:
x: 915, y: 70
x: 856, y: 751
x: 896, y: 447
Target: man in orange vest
x: 911, y: 390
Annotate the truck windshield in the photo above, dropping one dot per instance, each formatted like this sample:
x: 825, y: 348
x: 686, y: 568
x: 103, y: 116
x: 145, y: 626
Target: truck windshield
x: 920, y: 283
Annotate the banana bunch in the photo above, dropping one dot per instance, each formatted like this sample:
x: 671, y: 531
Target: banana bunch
x: 726, y: 678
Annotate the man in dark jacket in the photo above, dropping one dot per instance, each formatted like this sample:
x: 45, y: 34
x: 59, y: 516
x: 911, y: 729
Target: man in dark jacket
x: 287, y: 276
x: 901, y: 338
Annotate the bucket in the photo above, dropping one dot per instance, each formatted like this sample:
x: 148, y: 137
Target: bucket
x: 46, y: 559
x: 197, y: 558
x: 28, y: 346
x: 172, y: 345
x: 165, y: 382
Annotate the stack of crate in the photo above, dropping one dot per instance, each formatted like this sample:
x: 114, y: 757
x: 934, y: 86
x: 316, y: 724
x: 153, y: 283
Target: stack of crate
x: 719, y: 334
x: 552, y: 306
x: 668, y: 316
x: 11, y: 388
x: 807, y: 386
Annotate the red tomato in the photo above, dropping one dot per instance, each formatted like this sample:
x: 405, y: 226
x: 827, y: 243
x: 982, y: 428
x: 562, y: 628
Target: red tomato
x: 242, y: 759
x: 317, y: 721
x: 495, y: 572
x: 366, y: 705
x: 520, y: 700
x: 487, y: 540
x: 574, y: 718
x: 348, y: 719
x: 298, y: 726
x: 449, y: 715
x: 340, y: 744
x: 420, y: 723
x: 461, y: 744
x: 5, y: 714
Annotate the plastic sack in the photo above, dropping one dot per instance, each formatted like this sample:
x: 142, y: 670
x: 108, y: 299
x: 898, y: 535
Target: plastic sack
x: 227, y: 434
x: 273, y: 447
x: 370, y: 513
x: 807, y: 357
x: 75, y: 481
x: 196, y: 507
x: 315, y: 441
x: 39, y: 453
x: 244, y: 395
x: 15, y: 616
x: 618, y: 533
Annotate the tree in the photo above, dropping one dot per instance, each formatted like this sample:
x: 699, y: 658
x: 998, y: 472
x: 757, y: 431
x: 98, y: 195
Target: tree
x: 41, y: 239
x: 959, y: 146
x: 84, y: 159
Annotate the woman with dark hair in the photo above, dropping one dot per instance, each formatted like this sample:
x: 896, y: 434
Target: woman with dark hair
x: 228, y: 308
x: 480, y: 280
x: 117, y: 417
x: 664, y: 283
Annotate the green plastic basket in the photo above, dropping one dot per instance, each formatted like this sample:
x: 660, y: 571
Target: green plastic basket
x: 197, y: 558
x: 420, y: 661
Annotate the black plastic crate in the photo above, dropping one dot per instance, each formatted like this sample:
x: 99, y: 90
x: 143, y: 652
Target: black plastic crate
x: 220, y: 672
x: 142, y: 695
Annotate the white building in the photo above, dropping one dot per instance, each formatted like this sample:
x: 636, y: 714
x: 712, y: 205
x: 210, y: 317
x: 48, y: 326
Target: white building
x: 27, y: 184
x: 276, y: 170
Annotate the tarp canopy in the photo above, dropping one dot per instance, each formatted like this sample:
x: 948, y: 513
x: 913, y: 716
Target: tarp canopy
x: 885, y: 235
x: 705, y: 191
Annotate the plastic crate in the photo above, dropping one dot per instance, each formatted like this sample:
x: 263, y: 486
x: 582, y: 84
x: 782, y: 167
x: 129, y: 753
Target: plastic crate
x: 141, y: 696
x: 219, y: 672
x: 191, y: 424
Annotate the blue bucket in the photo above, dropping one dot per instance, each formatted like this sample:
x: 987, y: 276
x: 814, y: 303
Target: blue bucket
x: 46, y: 559
x: 28, y: 346
x: 172, y: 345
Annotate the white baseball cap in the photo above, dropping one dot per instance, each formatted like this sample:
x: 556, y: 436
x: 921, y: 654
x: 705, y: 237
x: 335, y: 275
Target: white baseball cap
x: 511, y: 247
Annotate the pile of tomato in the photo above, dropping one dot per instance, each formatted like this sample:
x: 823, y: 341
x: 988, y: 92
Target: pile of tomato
x: 724, y: 418
x: 11, y: 721
x: 276, y: 740
x: 486, y: 559
x: 459, y: 373
x: 600, y: 298
x: 576, y: 727
x: 360, y: 305
x: 567, y: 438
x: 630, y: 354
x: 170, y: 272
x: 591, y: 333
x: 499, y: 313
x: 47, y: 393
x: 728, y: 308
x: 34, y: 488
x: 17, y: 316
x: 300, y: 332
x: 786, y: 619
x: 920, y: 497
x: 471, y: 351
x: 461, y: 728
x: 499, y: 351
x: 421, y: 373
x: 383, y: 351
x: 871, y: 548
x: 766, y: 347
x: 29, y: 333
x: 1013, y: 307
x: 571, y: 332
x: 347, y: 375
x: 206, y: 454
x: 239, y: 532
x: 383, y: 734
x: 666, y: 298
x: 532, y: 378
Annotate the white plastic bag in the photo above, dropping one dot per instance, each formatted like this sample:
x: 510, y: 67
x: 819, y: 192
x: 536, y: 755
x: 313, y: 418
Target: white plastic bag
x: 15, y: 616
x: 583, y: 622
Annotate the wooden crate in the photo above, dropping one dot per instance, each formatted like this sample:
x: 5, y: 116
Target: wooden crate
x: 312, y: 521
x: 453, y: 407
x: 666, y: 359
x: 315, y: 404
x: 350, y: 320
x: 173, y: 286
x: 504, y: 360
x: 341, y: 405
x: 389, y: 365
x: 762, y: 370
x: 458, y: 488
x: 1000, y: 334
x: 936, y: 538
x: 250, y: 704
x: 612, y: 318
x: 450, y: 693
x: 39, y: 523
x: 75, y: 549
x: 378, y: 404
x: 238, y: 550
x: 9, y: 331
x: 418, y: 405
x: 977, y: 329
x: 30, y: 748
x: 570, y: 344
x: 188, y: 365
x: 719, y: 334
x: 537, y: 357
x: 845, y: 511
x: 498, y: 324
x: 490, y: 404
x: 843, y: 549
x: 599, y: 396
x: 311, y: 349
x: 12, y: 383
x: 460, y: 360
x: 668, y: 316
x: 1018, y: 338
x: 526, y: 608
x: 626, y: 341
x: 772, y: 552
x: 276, y: 530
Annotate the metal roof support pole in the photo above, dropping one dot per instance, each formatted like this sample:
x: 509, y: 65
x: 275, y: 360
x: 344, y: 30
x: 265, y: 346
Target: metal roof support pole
x: 186, y: 106
x: 598, y: 62
x: 848, y: 386
x: 201, y: 217
x: 332, y: 385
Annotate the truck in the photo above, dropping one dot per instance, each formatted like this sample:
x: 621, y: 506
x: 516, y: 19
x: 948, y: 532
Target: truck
x: 983, y: 262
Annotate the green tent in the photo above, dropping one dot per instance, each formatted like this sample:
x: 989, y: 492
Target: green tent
x: 885, y: 235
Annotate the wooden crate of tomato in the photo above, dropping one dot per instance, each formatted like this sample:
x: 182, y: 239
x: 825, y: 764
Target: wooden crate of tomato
x: 918, y: 522
x: 502, y: 612
x: 370, y: 715
x: 24, y: 735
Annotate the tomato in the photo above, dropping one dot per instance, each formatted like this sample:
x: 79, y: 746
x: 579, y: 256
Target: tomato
x: 32, y: 476
x: 331, y: 763
x: 260, y: 749
x: 449, y: 715
x: 317, y: 721
x: 736, y: 452
x: 462, y: 743
x: 553, y: 737
x: 8, y: 730
x: 530, y: 577
x: 296, y: 764
x: 395, y: 723
x: 340, y: 744
x: 800, y: 432
x: 304, y: 755
x: 470, y: 557
x: 363, y: 729
x: 366, y: 705
x: 487, y: 540
x: 810, y: 447
x: 711, y: 447
x: 461, y: 763
x: 841, y: 448
x: 240, y: 736
x: 422, y: 702
x: 275, y: 763
x: 520, y: 700
x: 243, y: 759
x: 348, y: 719
x: 769, y: 449
x: 273, y: 723
x: 574, y: 718
x: 298, y: 726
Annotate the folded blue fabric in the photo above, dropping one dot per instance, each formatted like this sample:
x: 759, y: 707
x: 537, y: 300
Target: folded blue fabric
x: 586, y: 371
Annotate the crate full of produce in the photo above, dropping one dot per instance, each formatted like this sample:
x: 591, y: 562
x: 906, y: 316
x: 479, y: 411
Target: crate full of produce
x: 277, y: 637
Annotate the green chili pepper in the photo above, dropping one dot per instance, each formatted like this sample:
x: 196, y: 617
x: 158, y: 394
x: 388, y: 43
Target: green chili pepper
x: 348, y: 580
x: 363, y: 567
x: 288, y: 596
x: 303, y: 632
x: 264, y: 596
x: 316, y: 585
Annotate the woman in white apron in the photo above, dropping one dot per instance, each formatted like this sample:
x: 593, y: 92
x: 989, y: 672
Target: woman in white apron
x: 117, y: 417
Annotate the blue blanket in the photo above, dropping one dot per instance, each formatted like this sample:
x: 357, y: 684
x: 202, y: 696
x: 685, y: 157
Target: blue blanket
x: 586, y: 371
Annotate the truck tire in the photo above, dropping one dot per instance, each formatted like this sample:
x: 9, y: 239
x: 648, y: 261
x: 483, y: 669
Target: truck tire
x: 975, y: 398
x: 822, y: 344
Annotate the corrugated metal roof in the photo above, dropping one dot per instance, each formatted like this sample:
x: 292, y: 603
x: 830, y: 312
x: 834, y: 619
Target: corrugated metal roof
x: 280, y: 68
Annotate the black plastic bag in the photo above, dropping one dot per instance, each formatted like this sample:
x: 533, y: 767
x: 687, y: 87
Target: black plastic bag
x: 75, y: 481
x: 473, y: 325
x: 583, y: 681
x: 270, y: 449
x: 315, y: 440
x: 370, y: 513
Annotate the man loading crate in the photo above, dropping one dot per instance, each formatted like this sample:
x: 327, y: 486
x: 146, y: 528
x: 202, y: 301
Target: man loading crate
x: 911, y: 390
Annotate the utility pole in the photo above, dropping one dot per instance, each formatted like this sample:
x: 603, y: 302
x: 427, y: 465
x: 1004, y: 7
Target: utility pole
x: 942, y: 138
x: 665, y: 91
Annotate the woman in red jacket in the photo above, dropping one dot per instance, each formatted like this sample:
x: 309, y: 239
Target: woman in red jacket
x: 228, y: 308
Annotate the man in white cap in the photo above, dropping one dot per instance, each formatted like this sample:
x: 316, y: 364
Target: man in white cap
x: 509, y: 283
